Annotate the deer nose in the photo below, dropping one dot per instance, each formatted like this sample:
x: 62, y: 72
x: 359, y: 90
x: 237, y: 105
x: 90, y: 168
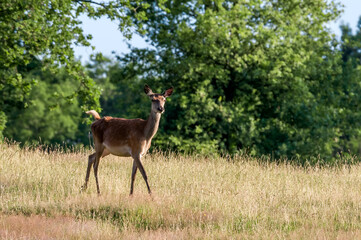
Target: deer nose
x: 160, y: 109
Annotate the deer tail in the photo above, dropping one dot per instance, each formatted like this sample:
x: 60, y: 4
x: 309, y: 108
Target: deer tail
x: 94, y: 113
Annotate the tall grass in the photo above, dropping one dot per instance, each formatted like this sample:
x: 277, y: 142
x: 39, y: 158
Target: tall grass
x: 193, y: 197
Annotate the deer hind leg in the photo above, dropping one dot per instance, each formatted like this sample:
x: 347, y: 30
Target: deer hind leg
x: 134, y: 171
x: 91, y: 160
x: 99, y: 152
x: 142, y: 171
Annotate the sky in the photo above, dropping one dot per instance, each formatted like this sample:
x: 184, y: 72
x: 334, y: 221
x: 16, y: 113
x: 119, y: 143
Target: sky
x: 107, y: 38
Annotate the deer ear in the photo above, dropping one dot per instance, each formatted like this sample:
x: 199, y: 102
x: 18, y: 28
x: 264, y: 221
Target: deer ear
x: 147, y: 90
x: 168, y: 92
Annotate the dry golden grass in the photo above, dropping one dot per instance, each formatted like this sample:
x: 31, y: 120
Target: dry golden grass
x: 40, y: 227
x: 193, y: 197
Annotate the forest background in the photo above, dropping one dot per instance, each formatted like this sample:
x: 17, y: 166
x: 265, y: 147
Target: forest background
x: 256, y: 77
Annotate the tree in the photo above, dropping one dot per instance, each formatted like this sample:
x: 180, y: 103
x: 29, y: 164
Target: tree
x: 47, y: 119
x: 351, y: 44
x: 261, y: 76
x: 121, y: 96
x: 350, y: 141
x: 46, y: 30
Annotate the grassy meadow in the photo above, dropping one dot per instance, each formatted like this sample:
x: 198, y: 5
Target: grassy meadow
x: 193, y: 198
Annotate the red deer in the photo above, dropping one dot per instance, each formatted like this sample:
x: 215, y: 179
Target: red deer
x: 126, y: 137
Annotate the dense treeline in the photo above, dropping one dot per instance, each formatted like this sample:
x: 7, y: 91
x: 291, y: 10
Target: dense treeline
x: 47, y: 30
x: 263, y: 77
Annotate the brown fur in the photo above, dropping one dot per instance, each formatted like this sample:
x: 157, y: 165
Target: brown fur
x: 126, y: 137
x: 112, y: 128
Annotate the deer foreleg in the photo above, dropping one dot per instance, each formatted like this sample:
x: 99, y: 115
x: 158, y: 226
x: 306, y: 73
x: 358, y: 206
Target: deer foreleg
x: 142, y: 171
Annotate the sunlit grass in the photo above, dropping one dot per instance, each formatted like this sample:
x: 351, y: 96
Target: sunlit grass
x: 193, y: 197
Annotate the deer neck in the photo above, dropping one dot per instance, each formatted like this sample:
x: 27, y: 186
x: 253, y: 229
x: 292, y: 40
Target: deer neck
x: 152, y: 125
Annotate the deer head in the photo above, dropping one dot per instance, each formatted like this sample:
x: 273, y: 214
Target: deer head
x: 158, y: 100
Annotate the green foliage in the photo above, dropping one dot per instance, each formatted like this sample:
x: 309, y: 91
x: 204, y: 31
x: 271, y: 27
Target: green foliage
x: 2, y: 123
x: 351, y: 44
x: 350, y: 121
x: 47, y: 30
x: 121, y: 96
x: 47, y: 119
x: 261, y: 76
